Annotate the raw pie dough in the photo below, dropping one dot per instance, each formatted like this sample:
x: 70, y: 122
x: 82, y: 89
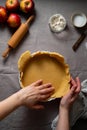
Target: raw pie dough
x: 49, y: 66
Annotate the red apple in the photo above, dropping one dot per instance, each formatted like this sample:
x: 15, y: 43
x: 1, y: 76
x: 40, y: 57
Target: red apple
x: 3, y: 14
x: 14, y: 20
x: 12, y: 5
x: 27, y: 6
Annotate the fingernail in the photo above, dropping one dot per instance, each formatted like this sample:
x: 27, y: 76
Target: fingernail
x: 52, y: 88
x: 49, y: 84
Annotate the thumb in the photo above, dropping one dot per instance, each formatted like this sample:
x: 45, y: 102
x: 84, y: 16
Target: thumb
x: 72, y: 90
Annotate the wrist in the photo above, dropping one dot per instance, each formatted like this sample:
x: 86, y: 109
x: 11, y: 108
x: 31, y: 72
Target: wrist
x: 21, y: 97
x: 18, y: 98
x: 64, y: 109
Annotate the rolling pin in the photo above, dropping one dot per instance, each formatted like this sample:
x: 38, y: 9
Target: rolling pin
x: 17, y: 36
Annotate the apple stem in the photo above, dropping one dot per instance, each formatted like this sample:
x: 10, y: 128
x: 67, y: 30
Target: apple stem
x: 29, y: 20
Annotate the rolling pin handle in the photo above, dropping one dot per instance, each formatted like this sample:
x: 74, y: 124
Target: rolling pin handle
x: 29, y: 20
x: 6, y: 52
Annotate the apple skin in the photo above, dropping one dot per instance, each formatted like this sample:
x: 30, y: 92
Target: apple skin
x: 12, y: 5
x: 3, y: 14
x: 14, y: 20
x: 27, y: 6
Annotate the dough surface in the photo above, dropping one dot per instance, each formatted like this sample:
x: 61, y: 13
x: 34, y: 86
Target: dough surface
x: 49, y: 66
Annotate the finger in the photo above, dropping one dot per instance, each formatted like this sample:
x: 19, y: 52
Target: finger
x: 73, y: 83
x: 72, y: 91
x: 47, y: 90
x: 78, y: 85
x: 44, y: 86
x: 45, y: 97
x: 37, y: 83
x: 74, y: 97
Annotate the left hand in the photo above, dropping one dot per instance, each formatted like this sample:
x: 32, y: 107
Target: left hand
x: 32, y: 95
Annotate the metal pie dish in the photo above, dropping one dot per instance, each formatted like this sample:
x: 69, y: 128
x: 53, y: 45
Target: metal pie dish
x: 48, y: 66
x: 57, y: 23
x: 78, y: 19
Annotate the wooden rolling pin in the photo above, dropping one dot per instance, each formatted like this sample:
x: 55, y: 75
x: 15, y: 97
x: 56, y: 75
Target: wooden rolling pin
x: 17, y: 36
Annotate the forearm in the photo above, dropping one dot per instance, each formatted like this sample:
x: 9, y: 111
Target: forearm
x: 8, y: 105
x: 63, y: 121
x: 28, y: 96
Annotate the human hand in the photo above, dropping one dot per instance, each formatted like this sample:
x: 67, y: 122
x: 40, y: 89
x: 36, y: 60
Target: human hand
x: 71, y: 96
x: 33, y: 94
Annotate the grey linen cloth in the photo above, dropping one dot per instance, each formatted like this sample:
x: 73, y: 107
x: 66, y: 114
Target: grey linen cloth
x: 79, y: 108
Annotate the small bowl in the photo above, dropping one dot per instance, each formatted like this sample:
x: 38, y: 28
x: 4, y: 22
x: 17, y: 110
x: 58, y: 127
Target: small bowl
x: 79, y: 19
x: 57, y: 23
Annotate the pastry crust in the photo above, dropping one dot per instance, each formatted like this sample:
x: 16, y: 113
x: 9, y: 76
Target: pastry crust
x: 49, y: 66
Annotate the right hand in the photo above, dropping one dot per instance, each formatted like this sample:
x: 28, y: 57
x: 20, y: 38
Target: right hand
x: 33, y: 94
x: 71, y: 96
